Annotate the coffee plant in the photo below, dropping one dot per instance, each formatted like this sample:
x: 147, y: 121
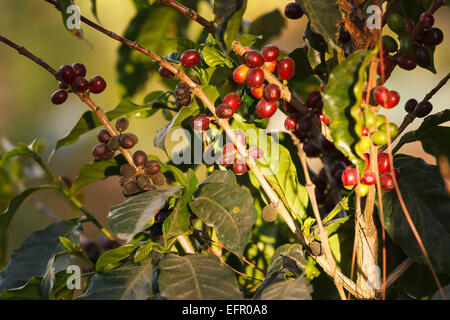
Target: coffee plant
x: 371, y: 224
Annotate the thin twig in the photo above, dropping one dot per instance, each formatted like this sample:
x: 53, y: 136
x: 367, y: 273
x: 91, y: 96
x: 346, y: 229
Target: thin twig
x: 397, y: 273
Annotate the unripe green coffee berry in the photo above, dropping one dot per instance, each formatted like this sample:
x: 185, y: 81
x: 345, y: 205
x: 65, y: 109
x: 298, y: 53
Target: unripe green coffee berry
x: 369, y: 119
x: 379, y: 138
x: 380, y: 120
x: 393, y: 129
x: 362, y: 189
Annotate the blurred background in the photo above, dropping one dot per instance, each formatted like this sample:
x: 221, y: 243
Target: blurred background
x: 25, y: 90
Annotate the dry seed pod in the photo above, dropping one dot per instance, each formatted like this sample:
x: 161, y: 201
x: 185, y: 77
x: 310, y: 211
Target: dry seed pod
x: 316, y: 248
x: 122, y: 124
x: 158, y: 179
x: 183, y: 102
x: 127, y: 171
x: 113, y: 143
x: 130, y: 188
x: 269, y: 213
x: 143, y: 182
x: 182, y: 90
x: 122, y: 180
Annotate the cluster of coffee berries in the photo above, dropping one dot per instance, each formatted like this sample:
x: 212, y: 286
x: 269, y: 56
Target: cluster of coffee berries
x: 293, y: 11
x: 189, y: 59
x: 230, y: 155
x: 415, y: 47
x: 420, y: 110
x: 93, y: 248
x: 72, y: 78
x: 145, y: 176
x: 109, y: 144
x: 251, y: 73
x: 351, y: 176
x: 230, y: 104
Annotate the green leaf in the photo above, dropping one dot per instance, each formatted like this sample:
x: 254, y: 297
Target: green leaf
x: 32, y: 257
x: 213, y: 57
x: 22, y: 149
x: 229, y: 15
x: 196, y: 277
x: 68, y: 244
x: 128, y: 282
x: 342, y: 98
x: 112, y: 259
x: 247, y: 40
x: 8, y: 214
x: 324, y: 16
x: 428, y: 204
x: 285, y: 278
x: 180, y: 44
x: 89, y: 121
x: 60, y: 290
x: 94, y: 8
x: 431, y: 135
x: 178, y: 221
x: 268, y: 25
x: 144, y: 250
x: 29, y: 291
x: 131, y: 216
x: 229, y: 209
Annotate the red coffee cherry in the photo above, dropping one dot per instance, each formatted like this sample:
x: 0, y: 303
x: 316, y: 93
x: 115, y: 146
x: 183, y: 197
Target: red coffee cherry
x: 255, y: 152
x: 239, y: 167
x: 286, y: 68
x: 387, y: 182
x: 255, y: 77
x: 272, y: 92
x: 97, y: 84
x: 224, y: 111
x: 364, y: 132
x: 313, y: 99
x: 80, y: 84
x: 66, y: 73
x: 393, y: 99
x: 233, y: 100
x: 270, y: 52
x: 381, y: 95
x: 190, y: 58
x: 226, y: 159
x: 254, y: 59
x: 426, y: 20
x: 369, y: 178
x: 165, y: 73
x: 103, y: 136
x: 388, y: 66
x: 152, y: 167
x: 291, y: 121
x: 79, y: 69
x: 258, y: 92
x: 139, y: 158
x: 200, y: 122
x: 266, y: 109
x: 383, y: 162
x: 59, y: 96
x: 324, y: 119
x: 293, y: 11
x: 350, y: 177
x: 240, y: 73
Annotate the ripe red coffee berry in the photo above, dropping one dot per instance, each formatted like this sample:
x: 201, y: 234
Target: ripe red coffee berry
x: 103, y: 136
x: 324, y: 119
x: 272, y: 92
x: 387, y: 182
x: 240, y: 73
x: 66, y: 73
x: 426, y: 20
x: 364, y: 132
x: 254, y: 58
x: 200, y: 122
x: 270, y: 52
x: 293, y: 11
x: 423, y: 109
x: 388, y: 66
x: 152, y: 167
x: 79, y: 69
x: 97, y: 84
x: 369, y: 178
x: 59, y: 96
x: 393, y: 99
x: 239, y: 167
x: 224, y: 111
x: 258, y: 92
x: 410, y: 105
x: 165, y: 73
x: 255, y: 77
x: 266, y: 109
x: 190, y: 58
x: 350, y: 177
x: 80, y: 84
x: 233, y: 100
x: 383, y: 162
x: 291, y: 121
x: 381, y: 95
x: 139, y: 158
x: 313, y: 99
x: 286, y: 68
x: 229, y: 148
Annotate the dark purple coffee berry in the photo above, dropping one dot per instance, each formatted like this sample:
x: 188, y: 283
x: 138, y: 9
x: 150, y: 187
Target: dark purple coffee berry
x: 423, y: 109
x: 114, y: 143
x: 139, y: 158
x: 313, y: 99
x: 182, y: 90
x: 406, y: 62
x: 320, y: 183
x: 97, y: 84
x: 426, y: 20
x: 80, y: 84
x: 432, y: 36
x: 311, y: 150
x: 128, y: 140
x: 79, y: 69
x: 59, y: 96
x: 66, y: 73
x: 152, y: 167
x: 304, y: 124
x: 410, y: 105
x: 122, y: 124
x: 62, y: 85
x: 183, y: 102
x: 103, y: 136
x: 423, y: 57
x: 165, y: 73
x: 293, y: 11
x: 100, y: 151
